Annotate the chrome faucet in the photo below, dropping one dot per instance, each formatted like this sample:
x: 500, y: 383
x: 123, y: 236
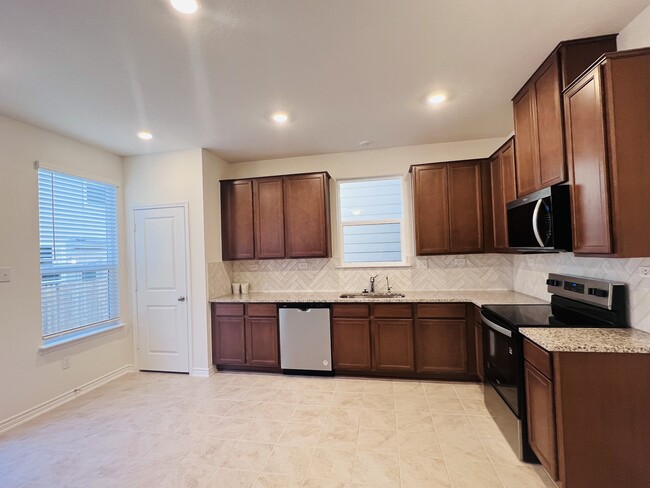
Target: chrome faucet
x: 372, y: 283
x: 388, y: 288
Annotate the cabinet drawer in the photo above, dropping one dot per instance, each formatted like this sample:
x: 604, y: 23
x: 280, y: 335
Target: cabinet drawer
x: 392, y: 310
x: 351, y: 310
x: 262, y: 310
x: 539, y: 358
x: 229, y: 309
x: 442, y: 310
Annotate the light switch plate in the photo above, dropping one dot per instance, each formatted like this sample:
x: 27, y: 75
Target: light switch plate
x: 5, y: 275
x: 644, y: 271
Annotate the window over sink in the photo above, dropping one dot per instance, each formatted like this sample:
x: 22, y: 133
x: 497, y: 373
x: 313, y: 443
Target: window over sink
x: 371, y: 221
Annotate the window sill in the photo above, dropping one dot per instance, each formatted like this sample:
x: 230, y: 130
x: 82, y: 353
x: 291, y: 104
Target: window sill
x: 77, y: 337
x: 373, y: 265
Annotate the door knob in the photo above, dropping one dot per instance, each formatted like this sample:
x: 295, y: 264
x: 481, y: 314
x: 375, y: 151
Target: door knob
x: 181, y: 299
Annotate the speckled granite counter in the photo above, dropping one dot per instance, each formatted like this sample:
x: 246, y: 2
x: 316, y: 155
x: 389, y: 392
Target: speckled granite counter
x: 590, y: 340
x: 477, y: 297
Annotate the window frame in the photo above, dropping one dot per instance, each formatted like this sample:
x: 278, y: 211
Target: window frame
x: 340, y: 225
x: 65, y: 337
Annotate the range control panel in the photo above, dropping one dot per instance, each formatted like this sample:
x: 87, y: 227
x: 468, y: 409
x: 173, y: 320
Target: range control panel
x: 589, y: 290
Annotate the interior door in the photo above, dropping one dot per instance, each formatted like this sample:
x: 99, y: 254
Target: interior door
x: 161, y: 289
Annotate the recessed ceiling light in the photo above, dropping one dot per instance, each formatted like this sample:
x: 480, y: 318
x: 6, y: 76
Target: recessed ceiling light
x: 145, y: 135
x: 365, y: 143
x: 185, y: 6
x: 280, y: 117
x: 436, y: 99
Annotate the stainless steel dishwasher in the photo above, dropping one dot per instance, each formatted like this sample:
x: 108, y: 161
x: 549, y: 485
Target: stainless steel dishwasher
x: 305, y: 341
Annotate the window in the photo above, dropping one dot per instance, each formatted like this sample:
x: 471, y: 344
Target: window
x: 79, y: 260
x: 371, y: 214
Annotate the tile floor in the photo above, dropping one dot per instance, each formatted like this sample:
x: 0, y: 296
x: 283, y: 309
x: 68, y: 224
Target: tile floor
x: 239, y: 430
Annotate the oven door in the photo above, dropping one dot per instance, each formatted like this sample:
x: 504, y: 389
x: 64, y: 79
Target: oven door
x: 501, y: 358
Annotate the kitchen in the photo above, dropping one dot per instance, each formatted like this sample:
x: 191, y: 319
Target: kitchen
x: 276, y: 236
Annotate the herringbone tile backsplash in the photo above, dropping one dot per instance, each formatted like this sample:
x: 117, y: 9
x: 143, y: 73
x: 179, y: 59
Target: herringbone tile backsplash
x: 530, y: 274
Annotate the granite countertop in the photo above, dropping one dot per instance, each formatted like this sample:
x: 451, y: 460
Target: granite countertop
x: 477, y: 297
x: 626, y: 340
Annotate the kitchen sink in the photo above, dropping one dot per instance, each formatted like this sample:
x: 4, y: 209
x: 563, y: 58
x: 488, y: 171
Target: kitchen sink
x: 373, y: 295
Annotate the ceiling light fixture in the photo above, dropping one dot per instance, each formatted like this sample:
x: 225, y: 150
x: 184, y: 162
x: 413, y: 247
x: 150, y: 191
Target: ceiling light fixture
x: 280, y: 117
x: 436, y: 99
x: 185, y: 6
x: 365, y: 143
x: 145, y: 135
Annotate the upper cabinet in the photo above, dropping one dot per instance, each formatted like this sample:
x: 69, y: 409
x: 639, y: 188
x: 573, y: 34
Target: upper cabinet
x: 276, y: 217
x: 448, y: 207
x: 537, y: 107
x: 607, y: 118
x: 504, y: 190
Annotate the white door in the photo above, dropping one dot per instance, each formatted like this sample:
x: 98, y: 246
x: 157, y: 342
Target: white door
x: 161, y: 289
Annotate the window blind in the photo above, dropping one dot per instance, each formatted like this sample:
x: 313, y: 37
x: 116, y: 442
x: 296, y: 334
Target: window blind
x: 79, y: 254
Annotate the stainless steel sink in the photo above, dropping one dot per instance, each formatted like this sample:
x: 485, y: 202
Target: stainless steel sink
x: 373, y: 295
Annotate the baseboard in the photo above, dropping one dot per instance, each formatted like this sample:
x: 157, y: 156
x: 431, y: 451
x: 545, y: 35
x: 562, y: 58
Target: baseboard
x: 48, y: 405
x: 203, y: 372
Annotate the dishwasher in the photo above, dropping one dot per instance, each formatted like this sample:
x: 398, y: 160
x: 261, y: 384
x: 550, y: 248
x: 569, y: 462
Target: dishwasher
x: 305, y: 341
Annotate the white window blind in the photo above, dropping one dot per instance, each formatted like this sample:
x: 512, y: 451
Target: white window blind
x: 371, y: 220
x: 79, y: 255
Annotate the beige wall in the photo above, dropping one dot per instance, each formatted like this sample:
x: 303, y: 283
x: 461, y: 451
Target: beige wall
x: 636, y: 33
x: 29, y: 378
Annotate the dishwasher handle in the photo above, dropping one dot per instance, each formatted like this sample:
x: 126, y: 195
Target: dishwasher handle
x: 303, y: 307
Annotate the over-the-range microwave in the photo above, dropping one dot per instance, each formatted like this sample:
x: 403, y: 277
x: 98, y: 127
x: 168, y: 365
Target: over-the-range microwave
x: 541, y: 221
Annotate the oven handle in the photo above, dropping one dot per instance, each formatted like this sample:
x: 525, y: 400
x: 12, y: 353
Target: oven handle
x: 498, y: 328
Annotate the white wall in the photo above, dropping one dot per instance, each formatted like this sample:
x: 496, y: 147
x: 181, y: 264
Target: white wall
x: 636, y: 33
x: 28, y: 378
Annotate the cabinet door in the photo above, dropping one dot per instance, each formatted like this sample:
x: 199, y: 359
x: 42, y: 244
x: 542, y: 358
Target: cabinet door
x: 393, y: 344
x: 441, y: 346
x: 478, y: 348
x: 237, y: 220
x: 306, y: 215
x: 508, y: 172
x: 431, y: 209
x: 526, y: 143
x: 269, y: 218
x: 586, y: 154
x: 465, y: 210
x: 262, y: 341
x: 498, y: 204
x: 549, y: 125
x: 229, y: 345
x: 541, y: 418
x: 351, y: 344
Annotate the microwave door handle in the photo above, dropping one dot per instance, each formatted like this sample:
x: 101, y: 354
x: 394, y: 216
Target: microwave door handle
x: 535, y: 229
x: 497, y: 328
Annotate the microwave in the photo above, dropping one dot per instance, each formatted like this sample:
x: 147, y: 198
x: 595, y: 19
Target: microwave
x: 541, y: 221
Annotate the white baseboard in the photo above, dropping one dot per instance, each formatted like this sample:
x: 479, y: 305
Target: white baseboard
x: 34, y: 412
x: 203, y: 372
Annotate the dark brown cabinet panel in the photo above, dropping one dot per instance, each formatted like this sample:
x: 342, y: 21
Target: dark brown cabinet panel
x: 441, y: 346
x: 504, y: 190
x: 526, y: 136
x: 268, y: 212
x: 548, y: 99
x: 465, y: 207
x: 351, y: 344
x: 478, y: 349
x: 262, y: 341
x: 541, y: 418
x: 229, y: 343
x: 431, y: 209
x: 306, y: 212
x: 393, y: 341
x: 237, y: 227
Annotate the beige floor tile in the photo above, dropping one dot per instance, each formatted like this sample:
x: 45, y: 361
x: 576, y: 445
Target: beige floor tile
x: 277, y: 411
x: 469, y: 390
x: 465, y: 448
x: 378, y: 401
x: 513, y: 476
x: 423, y: 443
x: 378, y: 419
x: 485, y: 426
x: 231, y: 428
x: 172, y: 448
x: 331, y: 464
x: 322, y: 483
x: 311, y: 414
x: 266, y: 431
x: 453, y: 425
x: 446, y: 405
x: 245, y: 409
x: 422, y: 472
x: 411, y: 403
x: 500, y: 451
x: 474, y: 406
x: 288, y: 460
x: 210, y: 451
x: 473, y: 475
x: 377, y: 440
x: 188, y: 476
x: 259, y: 394
x: 378, y: 386
x: 378, y: 468
x: 232, y: 478
x: 439, y: 390
x: 270, y: 480
x: 408, y: 388
x: 246, y: 455
x: 323, y: 384
x: 414, y: 421
x: 323, y: 398
x: 349, y: 384
x: 349, y: 417
x: 338, y: 436
x: 287, y: 396
x: 347, y: 399
x: 300, y: 434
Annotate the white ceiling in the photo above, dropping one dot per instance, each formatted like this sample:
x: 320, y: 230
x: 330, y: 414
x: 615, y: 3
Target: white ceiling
x: 346, y: 70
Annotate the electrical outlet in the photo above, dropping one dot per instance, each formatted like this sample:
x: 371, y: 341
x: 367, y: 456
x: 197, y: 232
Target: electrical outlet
x: 303, y: 266
x: 460, y: 262
x: 65, y: 362
x: 5, y: 275
x: 254, y: 267
x: 644, y: 271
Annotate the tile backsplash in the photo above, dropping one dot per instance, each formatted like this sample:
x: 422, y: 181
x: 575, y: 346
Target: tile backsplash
x: 530, y: 272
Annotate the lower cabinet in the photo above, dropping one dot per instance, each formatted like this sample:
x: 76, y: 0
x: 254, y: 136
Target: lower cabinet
x: 478, y: 342
x: 245, y: 336
x: 351, y: 344
x: 393, y: 340
x: 441, y: 338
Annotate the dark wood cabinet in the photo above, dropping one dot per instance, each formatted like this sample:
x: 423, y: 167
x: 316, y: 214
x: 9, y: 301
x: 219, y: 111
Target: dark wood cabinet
x: 245, y: 336
x: 607, y: 118
x: 351, y: 344
x: 537, y: 109
x: 237, y: 227
x: 276, y: 217
x: 448, y: 207
x: 268, y: 213
x: 441, y: 338
x: 307, y: 215
x: 393, y: 344
x: 502, y: 173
